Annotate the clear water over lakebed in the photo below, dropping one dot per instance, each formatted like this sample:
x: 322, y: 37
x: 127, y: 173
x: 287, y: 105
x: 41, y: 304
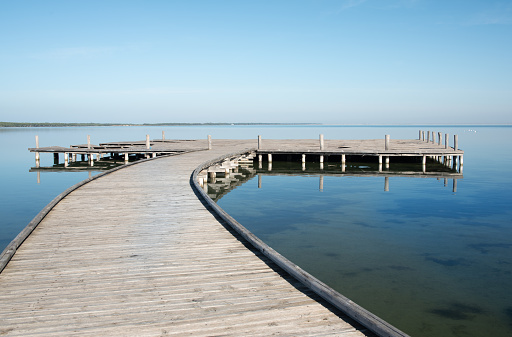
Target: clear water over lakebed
x: 431, y: 261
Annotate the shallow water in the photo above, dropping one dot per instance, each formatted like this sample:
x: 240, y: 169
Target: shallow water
x: 431, y: 261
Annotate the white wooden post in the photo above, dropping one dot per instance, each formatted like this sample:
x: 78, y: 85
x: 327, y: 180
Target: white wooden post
x: 322, y: 142
x: 386, y: 144
x: 88, y: 141
x: 148, y: 144
x: 455, y: 142
x: 259, y: 142
x: 446, y: 140
x: 209, y: 142
x: 37, y: 153
x: 163, y: 135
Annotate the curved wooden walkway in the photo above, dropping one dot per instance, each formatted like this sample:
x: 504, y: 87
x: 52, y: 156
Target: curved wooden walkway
x: 135, y: 253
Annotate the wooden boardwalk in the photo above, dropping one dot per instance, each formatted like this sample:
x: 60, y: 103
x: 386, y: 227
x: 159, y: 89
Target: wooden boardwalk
x: 136, y: 253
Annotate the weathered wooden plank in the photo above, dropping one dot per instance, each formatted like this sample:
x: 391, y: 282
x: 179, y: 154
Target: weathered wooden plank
x: 136, y: 253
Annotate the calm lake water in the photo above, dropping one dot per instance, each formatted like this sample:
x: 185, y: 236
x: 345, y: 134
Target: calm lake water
x: 429, y: 260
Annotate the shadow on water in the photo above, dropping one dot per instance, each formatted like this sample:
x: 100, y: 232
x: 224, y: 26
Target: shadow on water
x: 448, y: 262
x: 458, y: 311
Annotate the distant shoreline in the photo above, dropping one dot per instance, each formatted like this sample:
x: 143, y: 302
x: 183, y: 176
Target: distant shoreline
x: 47, y: 124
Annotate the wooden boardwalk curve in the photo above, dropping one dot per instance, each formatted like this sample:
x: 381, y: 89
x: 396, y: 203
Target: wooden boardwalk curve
x: 136, y: 253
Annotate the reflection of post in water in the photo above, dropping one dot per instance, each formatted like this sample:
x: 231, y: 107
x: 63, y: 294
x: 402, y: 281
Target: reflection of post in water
x: 38, y: 177
x: 228, y: 180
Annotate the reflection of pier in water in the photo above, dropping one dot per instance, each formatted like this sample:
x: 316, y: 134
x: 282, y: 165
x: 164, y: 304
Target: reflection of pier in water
x: 221, y: 180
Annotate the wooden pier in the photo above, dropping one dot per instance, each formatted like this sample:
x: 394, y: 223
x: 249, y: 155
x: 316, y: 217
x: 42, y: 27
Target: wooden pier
x: 135, y: 251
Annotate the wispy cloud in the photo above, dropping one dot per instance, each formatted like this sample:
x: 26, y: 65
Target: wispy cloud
x: 347, y: 4
x: 499, y: 14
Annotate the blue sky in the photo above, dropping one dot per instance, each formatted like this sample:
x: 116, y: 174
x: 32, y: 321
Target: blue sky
x: 326, y: 61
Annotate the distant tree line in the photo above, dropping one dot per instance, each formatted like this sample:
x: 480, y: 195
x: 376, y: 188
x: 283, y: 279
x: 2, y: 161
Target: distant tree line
x: 46, y: 124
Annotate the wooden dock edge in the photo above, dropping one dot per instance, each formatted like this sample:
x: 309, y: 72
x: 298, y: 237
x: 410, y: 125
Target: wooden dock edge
x: 351, y: 309
x: 11, y: 248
